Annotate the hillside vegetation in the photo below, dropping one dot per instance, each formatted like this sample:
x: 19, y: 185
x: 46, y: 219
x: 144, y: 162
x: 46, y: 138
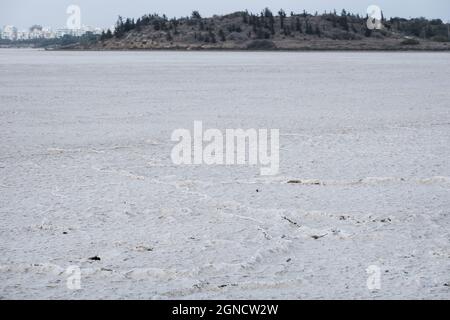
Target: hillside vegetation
x: 267, y: 30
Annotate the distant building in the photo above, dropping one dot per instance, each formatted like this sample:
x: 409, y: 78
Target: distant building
x: 23, y: 35
x: 35, y: 32
x: 9, y: 32
x: 38, y: 32
x: 62, y: 32
x: 98, y: 31
x: 47, y: 33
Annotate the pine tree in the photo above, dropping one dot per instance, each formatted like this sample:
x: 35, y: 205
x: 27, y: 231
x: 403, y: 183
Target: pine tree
x: 119, y: 29
x: 282, y: 15
x: 298, y: 25
x: 343, y: 22
x: 245, y: 17
x: 309, y: 29
x: 318, y: 32
x: 212, y: 36
x: 195, y: 15
x: 222, y: 35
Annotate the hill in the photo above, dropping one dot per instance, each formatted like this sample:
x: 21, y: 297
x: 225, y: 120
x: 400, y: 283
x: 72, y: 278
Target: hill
x: 269, y: 31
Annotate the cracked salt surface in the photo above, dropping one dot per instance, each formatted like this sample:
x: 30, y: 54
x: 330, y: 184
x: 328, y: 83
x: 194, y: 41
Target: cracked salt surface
x: 85, y: 172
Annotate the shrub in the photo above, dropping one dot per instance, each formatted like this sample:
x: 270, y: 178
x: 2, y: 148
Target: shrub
x: 410, y: 42
x: 261, y: 45
x: 440, y: 39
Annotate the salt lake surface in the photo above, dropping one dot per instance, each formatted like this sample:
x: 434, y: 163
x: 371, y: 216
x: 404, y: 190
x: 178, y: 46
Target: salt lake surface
x: 85, y: 171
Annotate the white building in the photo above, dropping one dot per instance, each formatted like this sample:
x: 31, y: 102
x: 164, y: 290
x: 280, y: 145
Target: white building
x: 9, y: 32
x: 98, y: 31
x: 23, y: 35
x: 48, y: 33
x: 62, y: 32
x: 36, y: 32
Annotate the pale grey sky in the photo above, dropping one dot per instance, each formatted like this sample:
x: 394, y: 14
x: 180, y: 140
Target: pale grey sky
x: 103, y: 13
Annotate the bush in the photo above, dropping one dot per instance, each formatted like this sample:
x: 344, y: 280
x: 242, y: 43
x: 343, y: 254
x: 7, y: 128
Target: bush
x: 342, y: 35
x: 410, y: 42
x: 238, y: 37
x: 440, y: 39
x: 261, y: 45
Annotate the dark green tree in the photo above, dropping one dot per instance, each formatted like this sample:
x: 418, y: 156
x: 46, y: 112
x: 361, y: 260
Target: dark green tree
x: 222, y: 35
x: 298, y: 25
x: 282, y: 15
x: 196, y: 15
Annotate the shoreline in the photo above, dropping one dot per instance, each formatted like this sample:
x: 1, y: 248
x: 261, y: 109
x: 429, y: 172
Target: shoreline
x: 306, y: 49
x: 313, y: 48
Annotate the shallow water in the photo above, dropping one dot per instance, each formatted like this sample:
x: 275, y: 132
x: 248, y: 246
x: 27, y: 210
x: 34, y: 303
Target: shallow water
x: 85, y: 170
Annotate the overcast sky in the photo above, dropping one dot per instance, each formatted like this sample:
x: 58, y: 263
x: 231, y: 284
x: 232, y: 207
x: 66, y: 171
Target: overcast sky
x: 103, y: 13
